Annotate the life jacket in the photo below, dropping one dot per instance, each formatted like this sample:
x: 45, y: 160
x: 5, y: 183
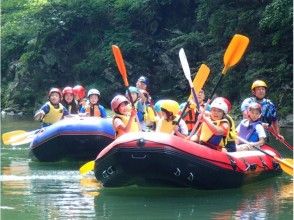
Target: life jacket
x: 190, y: 118
x: 149, y: 116
x: 93, y: 110
x: 125, y: 119
x: 54, y: 114
x: 207, y: 137
x: 229, y: 141
x: 248, y: 130
x: 164, y: 126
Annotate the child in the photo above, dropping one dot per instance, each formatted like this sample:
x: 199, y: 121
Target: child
x: 124, y: 120
x: 92, y: 108
x: 79, y: 95
x: 167, y: 123
x: 214, y: 128
x: 68, y: 101
x: 191, y: 114
x: 251, y: 129
x: 149, y: 113
x: 52, y: 111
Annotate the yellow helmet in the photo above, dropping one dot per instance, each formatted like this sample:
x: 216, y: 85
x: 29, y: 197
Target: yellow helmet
x: 171, y: 106
x: 258, y: 83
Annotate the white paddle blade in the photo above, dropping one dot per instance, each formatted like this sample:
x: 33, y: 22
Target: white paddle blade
x: 185, y: 66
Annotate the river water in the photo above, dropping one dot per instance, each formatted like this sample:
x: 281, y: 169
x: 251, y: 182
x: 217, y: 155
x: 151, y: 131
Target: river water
x: 38, y: 190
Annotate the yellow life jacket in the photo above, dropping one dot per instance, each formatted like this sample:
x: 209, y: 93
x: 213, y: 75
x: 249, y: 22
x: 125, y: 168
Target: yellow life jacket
x: 165, y: 126
x: 95, y: 110
x: 149, y: 115
x: 54, y: 114
x: 125, y: 119
x: 207, y: 136
x: 232, y: 136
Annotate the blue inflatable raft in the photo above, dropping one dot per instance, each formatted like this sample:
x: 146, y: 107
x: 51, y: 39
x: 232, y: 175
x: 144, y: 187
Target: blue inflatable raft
x: 73, y: 139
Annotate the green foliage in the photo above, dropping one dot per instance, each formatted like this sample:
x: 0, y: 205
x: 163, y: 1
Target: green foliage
x: 67, y: 42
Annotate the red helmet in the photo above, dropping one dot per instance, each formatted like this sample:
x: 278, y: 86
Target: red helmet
x: 54, y: 90
x: 67, y: 90
x: 117, y: 100
x: 79, y: 91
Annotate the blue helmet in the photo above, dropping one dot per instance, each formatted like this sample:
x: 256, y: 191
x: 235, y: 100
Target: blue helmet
x: 144, y: 80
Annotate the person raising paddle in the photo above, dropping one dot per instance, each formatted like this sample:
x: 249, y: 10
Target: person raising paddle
x: 269, y: 116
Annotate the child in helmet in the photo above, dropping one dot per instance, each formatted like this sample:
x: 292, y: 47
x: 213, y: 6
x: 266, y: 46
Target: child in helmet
x: 79, y: 95
x: 251, y: 129
x: 149, y: 114
x: 215, y: 127
x: 191, y: 113
x: 68, y: 101
x: 167, y: 123
x: 138, y: 104
x: 52, y: 111
x: 124, y: 119
x: 93, y: 108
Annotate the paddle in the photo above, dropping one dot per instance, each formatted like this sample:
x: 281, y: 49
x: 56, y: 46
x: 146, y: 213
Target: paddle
x: 18, y: 137
x: 198, y: 81
x: 286, y: 163
x: 283, y: 141
x: 233, y: 55
x: 89, y: 166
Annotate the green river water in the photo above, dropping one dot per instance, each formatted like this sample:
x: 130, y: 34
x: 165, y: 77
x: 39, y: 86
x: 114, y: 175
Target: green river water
x: 36, y: 190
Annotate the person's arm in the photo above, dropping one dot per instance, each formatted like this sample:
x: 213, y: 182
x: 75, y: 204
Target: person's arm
x: 218, y: 130
x: 42, y: 112
x: 183, y: 128
x: 276, y: 128
x: 127, y: 128
x: 102, y: 111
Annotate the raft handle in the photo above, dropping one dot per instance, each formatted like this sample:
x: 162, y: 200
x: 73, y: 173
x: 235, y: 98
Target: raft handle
x: 139, y: 157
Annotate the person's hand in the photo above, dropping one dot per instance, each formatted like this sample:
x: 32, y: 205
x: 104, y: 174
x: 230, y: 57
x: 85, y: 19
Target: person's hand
x: 280, y: 137
x: 265, y: 125
x: 133, y: 112
x: 39, y: 115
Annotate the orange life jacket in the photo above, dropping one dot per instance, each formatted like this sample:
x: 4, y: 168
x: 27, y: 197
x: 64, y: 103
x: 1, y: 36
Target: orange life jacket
x: 93, y: 111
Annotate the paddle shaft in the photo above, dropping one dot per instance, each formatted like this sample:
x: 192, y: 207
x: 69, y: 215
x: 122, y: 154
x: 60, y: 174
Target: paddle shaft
x: 216, y: 86
x: 276, y: 158
x: 283, y: 141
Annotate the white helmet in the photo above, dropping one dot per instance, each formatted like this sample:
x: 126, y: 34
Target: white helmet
x: 93, y: 92
x: 220, y: 104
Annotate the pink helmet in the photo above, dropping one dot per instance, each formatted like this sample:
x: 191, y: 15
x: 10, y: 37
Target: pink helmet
x: 117, y: 100
x: 67, y: 90
x: 254, y: 105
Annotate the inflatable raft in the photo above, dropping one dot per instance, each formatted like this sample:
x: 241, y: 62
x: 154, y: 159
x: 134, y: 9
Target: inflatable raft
x: 74, y: 139
x: 158, y: 159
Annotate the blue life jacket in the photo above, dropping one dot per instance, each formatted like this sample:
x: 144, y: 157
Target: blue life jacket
x: 249, y: 132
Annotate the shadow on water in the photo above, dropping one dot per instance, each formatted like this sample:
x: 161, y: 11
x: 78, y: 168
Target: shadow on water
x: 263, y: 200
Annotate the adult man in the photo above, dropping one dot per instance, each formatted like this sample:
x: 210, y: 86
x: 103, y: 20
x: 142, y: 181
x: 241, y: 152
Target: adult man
x: 269, y: 116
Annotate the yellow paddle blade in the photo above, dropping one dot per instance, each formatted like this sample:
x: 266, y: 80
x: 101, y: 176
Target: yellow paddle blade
x: 87, y: 167
x: 235, y: 51
x: 200, y: 78
x: 6, y: 137
x: 120, y: 63
x: 287, y: 165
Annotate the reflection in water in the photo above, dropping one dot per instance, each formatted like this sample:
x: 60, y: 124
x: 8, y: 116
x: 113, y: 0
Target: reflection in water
x: 250, y: 202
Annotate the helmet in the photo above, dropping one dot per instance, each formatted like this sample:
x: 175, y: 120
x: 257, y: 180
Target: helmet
x: 133, y: 90
x: 171, y: 106
x: 254, y: 105
x: 258, y: 83
x: 93, y: 92
x: 143, y: 79
x: 54, y: 90
x: 79, y: 91
x: 117, y: 100
x: 219, y: 103
x: 226, y: 101
x: 67, y: 90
